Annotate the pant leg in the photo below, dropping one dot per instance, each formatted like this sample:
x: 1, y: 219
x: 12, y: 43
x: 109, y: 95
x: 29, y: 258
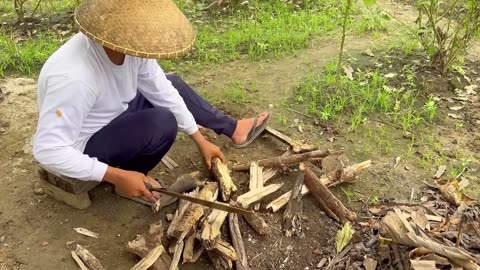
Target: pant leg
x: 136, y: 140
x: 204, y: 113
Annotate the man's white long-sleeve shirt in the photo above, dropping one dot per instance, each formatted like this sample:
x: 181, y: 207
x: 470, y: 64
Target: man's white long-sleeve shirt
x: 80, y: 91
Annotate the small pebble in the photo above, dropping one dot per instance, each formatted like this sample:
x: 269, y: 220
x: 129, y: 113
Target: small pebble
x: 317, y: 252
x: 118, y: 235
x: 2, y: 239
x: 38, y: 191
x: 45, y: 243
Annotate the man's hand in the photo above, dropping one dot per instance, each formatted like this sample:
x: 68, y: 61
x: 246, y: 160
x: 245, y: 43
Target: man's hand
x: 131, y: 184
x: 208, y: 149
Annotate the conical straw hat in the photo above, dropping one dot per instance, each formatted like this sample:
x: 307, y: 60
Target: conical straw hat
x: 143, y: 28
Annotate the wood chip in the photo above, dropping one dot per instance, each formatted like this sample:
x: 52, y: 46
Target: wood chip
x: 86, y: 232
x: 441, y: 170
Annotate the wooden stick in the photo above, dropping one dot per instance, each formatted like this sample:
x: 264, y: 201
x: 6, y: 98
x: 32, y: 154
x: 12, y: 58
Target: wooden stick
x: 150, y: 259
x: 167, y: 163
x: 171, y: 161
x: 292, y: 217
x: 211, y: 227
x: 222, y: 175
x: 225, y: 249
x: 325, y: 197
x: 177, y: 255
x: 188, y: 249
x: 194, y: 212
x: 257, y: 223
x: 179, y: 213
x: 297, y: 147
x: 256, y: 180
x: 330, y: 179
x: 241, y: 263
x: 245, y: 200
x: 79, y: 261
x: 271, y: 172
x: 288, y: 160
x: 90, y: 261
x: 184, y: 183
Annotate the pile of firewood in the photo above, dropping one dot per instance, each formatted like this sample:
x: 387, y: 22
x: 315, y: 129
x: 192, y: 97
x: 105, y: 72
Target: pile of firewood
x: 195, y: 229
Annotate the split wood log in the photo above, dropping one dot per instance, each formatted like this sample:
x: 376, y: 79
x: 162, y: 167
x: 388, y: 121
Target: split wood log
x: 246, y: 199
x: 79, y: 261
x: 197, y: 254
x: 326, y: 198
x: 146, y: 242
x: 241, y: 263
x: 188, y: 250
x: 219, y: 261
x: 176, y: 255
x: 150, y: 259
x: 90, y: 261
x: 225, y: 249
x: 257, y: 223
x: 211, y: 227
x: 288, y: 160
x: 171, y: 161
x: 222, y: 175
x: 256, y: 179
x: 179, y: 213
x: 184, y: 183
x: 194, y: 212
x: 297, y: 147
x: 293, y: 215
x: 167, y: 163
x: 347, y: 175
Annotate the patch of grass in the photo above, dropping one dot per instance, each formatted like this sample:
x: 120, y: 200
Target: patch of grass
x: 235, y: 94
x: 44, y: 6
x: 371, y: 19
x: 28, y: 56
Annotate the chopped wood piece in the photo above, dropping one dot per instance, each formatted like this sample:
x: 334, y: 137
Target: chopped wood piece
x: 167, y: 163
x: 171, y: 161
x: 326, y: 198
x: 146, y: 242
x: 184, y: 183
x: 79, y: 261
x: 182, y: 207
x: 257, y: 223
x: 346, y: 175
x: 222, y: 175
x: 197, y: 254
x: 245, y: 200
x: 188, y: 249
x: 219, y: 261
x: 297, y: 147
x: 150, y: 259
x: 241, y: 263
x: 176, y: 255
x: 256, y: 179
x: 211, y: 227
x: 90, y: 261
x: 292, y: 218
x: 194, y: 212
x: 288, y: 160
x: 225, y: 249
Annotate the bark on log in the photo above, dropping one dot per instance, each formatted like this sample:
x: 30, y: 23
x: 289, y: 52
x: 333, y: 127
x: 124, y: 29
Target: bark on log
x: 241, y: 263
x: 296, y: 146
x: 257, y: 223
x: 179, y: 213
x: 211, y: 227
x: 222, y: 175
x: 90, y: 261
x: 256, y: 180
x: 194, y: 212
x: 332, y: 178
x: 271, y: 172
x: 288, y: 160
x: 177, y: 254
x: 184, y: 183
x: 325, y: 197
x: 79, y: 261
x: 149, y: 259
x: 246, y: 199
x: 292, y: 217
x: 146, y: 242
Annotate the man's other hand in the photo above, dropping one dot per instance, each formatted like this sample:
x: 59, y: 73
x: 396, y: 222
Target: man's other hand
x: 131, y: 183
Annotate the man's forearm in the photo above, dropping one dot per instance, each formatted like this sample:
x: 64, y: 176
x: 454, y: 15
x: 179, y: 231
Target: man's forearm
x: 198, y: 138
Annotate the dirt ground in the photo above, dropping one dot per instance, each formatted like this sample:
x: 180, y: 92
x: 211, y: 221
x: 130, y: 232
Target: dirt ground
x: 38, y: 231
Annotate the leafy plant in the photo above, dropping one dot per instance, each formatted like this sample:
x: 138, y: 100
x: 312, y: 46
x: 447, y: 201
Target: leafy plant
x: 446, y: 28
x: 431, y: 109
x: 344, y: 236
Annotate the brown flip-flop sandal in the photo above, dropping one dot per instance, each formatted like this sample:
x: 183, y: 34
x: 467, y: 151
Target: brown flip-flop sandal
x: 254, y: 133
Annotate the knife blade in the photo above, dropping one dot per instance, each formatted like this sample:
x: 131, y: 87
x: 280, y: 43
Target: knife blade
x: 214, y: 205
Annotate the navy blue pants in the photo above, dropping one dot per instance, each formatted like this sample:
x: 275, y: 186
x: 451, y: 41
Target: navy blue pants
x: 138, y: 138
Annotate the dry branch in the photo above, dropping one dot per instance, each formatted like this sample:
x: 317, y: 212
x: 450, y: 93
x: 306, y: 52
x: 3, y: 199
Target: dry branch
x: 146, y: 242
x: 297, y: 147
x: 184, y: 183
x: 237, y: 240
x: 333, y: 178
x: 194, y: 212
x: 188, y: 250
x: 271, y: 172
x: 292, y: 218
x: 149, y: 259
x: 225, y: 249
x: 222, y: 175
x: 79, y: 261
x: 288, y: 160
x: 211, y: 227
x: 326, y: 198
x: 246, y: 199
x: 257, y: 223
x: 176, y: 255
x: 256, y: 179
x: 90, y: 261
x: 179, y: 213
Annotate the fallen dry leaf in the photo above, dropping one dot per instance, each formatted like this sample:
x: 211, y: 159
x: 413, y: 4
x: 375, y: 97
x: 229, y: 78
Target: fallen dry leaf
x: 369, y: 263
x: 450, y: 190
x: 455, y: 116
x: 349, y: 72
x: 421, y: 220
x: 423, y: 265
x: 456, y: 108
x: 441, y: 170
x: 86, y: 232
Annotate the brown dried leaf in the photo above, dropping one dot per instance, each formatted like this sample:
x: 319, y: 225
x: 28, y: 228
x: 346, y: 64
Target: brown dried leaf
x: 421, y: 220
x: 349, y: 72
x: 423, y: 265
x: 369, y: 263
x: 441, y: 170
x: 450, y: 190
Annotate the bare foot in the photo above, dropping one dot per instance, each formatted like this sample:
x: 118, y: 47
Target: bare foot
x: 244, y: 127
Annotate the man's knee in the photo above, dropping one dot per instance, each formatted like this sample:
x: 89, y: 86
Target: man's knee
x: 161, y: 125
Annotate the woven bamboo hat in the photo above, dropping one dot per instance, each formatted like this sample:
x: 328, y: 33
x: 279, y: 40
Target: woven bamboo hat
x: 143, y: 28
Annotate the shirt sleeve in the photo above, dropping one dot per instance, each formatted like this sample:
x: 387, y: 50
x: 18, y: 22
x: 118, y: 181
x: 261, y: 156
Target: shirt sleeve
x: 157, y: 89
x: 66, y: 103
